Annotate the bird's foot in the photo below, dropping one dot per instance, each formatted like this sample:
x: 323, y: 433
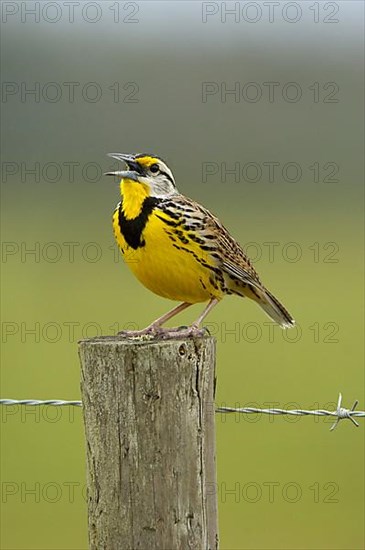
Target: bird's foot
x: 165, y: 333
x: 151, y: 332
x: 184, y: 332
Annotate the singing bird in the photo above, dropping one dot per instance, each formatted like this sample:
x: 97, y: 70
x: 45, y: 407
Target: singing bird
x: 178, y: 249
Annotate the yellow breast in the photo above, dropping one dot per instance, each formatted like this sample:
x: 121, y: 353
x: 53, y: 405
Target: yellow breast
x: 166, y: 265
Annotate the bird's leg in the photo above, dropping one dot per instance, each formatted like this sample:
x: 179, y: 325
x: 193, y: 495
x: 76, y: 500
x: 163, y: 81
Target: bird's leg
x: 155, y: 327
x: 194, y: 329
x: 213, y: 302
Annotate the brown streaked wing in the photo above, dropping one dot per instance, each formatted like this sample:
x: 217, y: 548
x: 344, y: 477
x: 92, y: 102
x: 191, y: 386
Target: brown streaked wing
x: 234, y: 261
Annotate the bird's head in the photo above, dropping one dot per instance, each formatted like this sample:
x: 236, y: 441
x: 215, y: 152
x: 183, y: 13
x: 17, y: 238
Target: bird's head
x: 149, y: 171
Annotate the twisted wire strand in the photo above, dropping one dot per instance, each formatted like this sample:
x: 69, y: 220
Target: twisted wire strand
x: 36, y: 402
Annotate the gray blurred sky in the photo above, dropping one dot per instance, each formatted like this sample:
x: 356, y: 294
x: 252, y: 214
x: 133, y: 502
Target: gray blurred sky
x: 169, y: 53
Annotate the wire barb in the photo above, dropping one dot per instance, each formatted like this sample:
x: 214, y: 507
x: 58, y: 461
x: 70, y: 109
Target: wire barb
x: 344, y: 413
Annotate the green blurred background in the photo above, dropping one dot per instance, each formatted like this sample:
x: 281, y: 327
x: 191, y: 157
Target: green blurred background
x: 160, y: 54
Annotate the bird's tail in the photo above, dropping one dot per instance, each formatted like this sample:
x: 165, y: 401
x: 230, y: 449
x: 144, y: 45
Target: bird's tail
x: 273, y: 308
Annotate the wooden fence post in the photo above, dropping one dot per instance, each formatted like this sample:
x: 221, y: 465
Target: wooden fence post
x: 150, y: 439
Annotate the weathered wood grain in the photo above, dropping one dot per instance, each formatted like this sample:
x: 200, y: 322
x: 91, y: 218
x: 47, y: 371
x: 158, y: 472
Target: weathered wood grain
x: 149, y: 423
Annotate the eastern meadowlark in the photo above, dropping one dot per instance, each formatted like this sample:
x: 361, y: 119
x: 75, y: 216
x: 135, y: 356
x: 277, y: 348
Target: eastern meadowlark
x: 180, y: 250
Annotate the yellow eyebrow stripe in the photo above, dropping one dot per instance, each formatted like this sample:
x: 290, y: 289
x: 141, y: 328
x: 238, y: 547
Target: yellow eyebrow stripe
x: 146, y: 161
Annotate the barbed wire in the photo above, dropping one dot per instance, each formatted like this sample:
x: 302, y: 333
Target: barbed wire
x: 340, y: 413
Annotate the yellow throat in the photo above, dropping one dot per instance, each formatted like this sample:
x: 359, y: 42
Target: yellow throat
x: 133, y: 195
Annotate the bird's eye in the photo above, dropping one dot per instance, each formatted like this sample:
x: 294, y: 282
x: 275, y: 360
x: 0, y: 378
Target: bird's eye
x: 154, y: 168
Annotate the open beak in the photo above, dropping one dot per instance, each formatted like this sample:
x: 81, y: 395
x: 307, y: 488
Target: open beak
x: 134, y: 168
